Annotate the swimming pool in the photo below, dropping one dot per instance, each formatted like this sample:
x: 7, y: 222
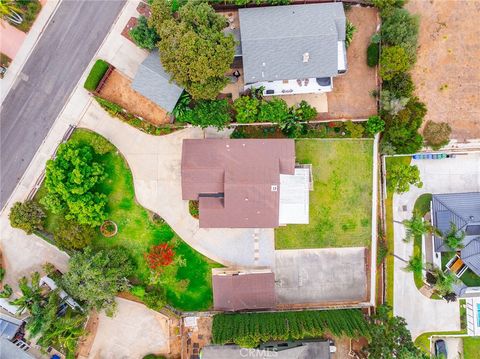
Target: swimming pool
x: 478, y: 315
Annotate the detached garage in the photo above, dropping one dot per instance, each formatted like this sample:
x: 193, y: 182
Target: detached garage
x: 239, y: 289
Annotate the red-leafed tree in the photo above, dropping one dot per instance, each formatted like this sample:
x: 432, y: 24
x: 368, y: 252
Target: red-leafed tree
x: 159, y: 256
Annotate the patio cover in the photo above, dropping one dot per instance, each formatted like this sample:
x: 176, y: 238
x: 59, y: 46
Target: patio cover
x: 295, y: 197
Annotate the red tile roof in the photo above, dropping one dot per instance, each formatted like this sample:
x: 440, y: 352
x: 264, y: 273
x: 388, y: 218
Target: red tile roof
x: 233, y: 179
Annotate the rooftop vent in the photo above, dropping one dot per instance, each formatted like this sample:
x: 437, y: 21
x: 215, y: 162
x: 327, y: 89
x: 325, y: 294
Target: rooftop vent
x: 274, y: 188
x: 306, y: 57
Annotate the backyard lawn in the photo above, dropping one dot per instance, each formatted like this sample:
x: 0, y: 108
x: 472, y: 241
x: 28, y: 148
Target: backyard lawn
x: 188, y: 287
x: 471, y: 348
x: 341, y: 202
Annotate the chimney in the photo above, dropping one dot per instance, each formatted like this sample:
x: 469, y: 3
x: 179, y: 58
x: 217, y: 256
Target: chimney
x: 306, y: 57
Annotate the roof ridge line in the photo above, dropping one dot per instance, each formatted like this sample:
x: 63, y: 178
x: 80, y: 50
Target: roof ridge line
x: 453, y: 212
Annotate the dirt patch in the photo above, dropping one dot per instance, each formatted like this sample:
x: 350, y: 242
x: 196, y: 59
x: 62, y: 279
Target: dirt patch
x: 351, y: 97
x: 196, y: 338
x: 118, y: 89
x: 447, y: 73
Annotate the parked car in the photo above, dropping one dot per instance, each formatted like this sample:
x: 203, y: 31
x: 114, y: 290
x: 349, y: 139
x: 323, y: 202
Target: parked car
x: 440, y: 349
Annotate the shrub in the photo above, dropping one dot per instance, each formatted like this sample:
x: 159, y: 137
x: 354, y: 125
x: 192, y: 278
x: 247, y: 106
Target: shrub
x: 401, y: 85
x: 246, y: 108
x: 70, y: 235
x: 392, y: 104
x: 6, y: 292
x: 305, y: 112
x: 143, y: 35
x: 373, y: 52
x: 437, y: 134
x: 70, y: 180
x: 182, y: 106
x: 28, y: 216
x: 2, y: 273
x: 101, y: 145
x: 393, y: 60
x: 249, y: 329
x: 374, y: 125
x: 193, y: 208
x: 206, y: 113
x: 382, y: 4
x: 399, y: 28
x: 155, y: 298
x: 275, y: 110
x: 96, y: 74
x: 355, y: 130
x: 159, y: 256
x: 350, y: 30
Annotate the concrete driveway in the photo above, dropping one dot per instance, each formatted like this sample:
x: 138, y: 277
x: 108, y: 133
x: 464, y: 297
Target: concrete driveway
x: 461, y: 174
x: 321, y: 276
x: 155, y: 164
x: 132, y: 333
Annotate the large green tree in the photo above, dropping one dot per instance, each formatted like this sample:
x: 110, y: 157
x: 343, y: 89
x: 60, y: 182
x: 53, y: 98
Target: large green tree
x: 28, y: 216
x: 193, y: 47
x: 70, y: 235
x: 390, y: 337
x: 400, y: 176
x: 70, y: 180
x: 95, y: 278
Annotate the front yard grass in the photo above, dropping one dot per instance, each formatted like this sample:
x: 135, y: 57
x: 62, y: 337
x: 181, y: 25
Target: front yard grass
x: 190, y: 287
x: 341, y: 202
x: 471, y: 348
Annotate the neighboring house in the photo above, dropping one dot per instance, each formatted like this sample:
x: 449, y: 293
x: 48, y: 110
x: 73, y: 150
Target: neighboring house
x: 241, y: 289
x: 245, y: 183
x: 154, y: 83
x: 278, y: 350
x: 462, y: 210
x: 12, y: 345
x: 293, y: 49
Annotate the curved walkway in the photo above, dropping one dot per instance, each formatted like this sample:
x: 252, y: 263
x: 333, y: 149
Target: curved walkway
x: 155, y: 164
x: 461, y: 174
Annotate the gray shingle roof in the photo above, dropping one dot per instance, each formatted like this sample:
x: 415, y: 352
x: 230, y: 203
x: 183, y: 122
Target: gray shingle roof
x: 274, y: 40
x: 153, y: 82
x: 461, y: 209
x: 471, y: 255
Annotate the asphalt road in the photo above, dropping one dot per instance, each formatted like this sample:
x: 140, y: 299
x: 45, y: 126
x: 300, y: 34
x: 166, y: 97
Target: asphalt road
x: 48, y: 77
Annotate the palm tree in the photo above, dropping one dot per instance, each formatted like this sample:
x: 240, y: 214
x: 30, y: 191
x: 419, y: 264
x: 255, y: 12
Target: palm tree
x: 454, y: 238
x: 444, y: 281
x: 416, y: 227
x: 414, y: 264
x: 31, y: 293
x: 9, y: 11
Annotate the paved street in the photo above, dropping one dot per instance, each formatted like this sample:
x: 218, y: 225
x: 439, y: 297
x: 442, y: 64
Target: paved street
x: 438, y: 176
x: 48, y: 77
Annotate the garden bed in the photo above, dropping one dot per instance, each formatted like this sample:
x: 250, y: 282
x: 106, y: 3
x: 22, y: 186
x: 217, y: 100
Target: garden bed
x: 341, y: 204
x: 29, y: 12
x: 187, y: 287
x: 118, y: 89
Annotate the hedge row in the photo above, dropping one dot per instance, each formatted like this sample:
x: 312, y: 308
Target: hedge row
x: 96, y: 74
x: 250, y: 329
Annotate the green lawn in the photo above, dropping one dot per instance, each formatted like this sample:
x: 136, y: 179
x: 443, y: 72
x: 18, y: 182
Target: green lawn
x: 189, y: 288
x: 469, y: 278
x: 389, y: 235
x: 341, y: 202
x: 471, y: 347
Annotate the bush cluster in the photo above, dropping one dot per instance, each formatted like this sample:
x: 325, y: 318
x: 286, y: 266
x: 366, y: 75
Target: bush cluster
x: 96, y: 74
x: 402, y: 112
x: 28, y: 216
x: 252, y: 328
x: 143, y: 35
